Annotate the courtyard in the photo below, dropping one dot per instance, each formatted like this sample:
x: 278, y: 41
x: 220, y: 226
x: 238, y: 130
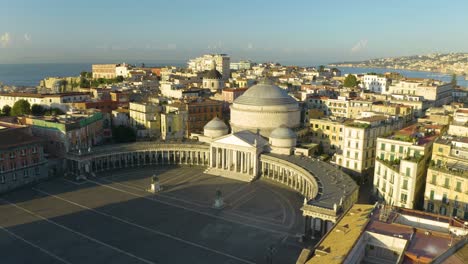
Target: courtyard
x: 113, y: 218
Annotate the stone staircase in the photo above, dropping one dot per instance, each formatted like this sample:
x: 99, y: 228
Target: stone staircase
x: 230, y: 174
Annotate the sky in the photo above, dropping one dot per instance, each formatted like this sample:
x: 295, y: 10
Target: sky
x: 291, y: 32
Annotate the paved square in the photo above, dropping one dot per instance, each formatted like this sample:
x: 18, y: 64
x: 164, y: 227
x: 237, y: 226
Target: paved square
x: 113, y: 219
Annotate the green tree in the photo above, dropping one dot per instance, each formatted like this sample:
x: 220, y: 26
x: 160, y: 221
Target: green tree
x: 350, y: 81
x: 454, y: 80
x: 122, y: 134
x: 84, y: 83
x: 37, y: 110
x: 6, y: 110
x: 321, y: 68
x: 119, y: 78
x: 21, y: 107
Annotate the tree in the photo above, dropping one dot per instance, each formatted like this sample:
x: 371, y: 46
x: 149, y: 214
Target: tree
x: 21, y: 107
x: 454, y: 80
x: 321, y: 68
x: 6, y: 110
x: 84, y: 83
x: 37, y: 110
x: 350, y: 81
x: 123, y: 134
x: 119, y: 78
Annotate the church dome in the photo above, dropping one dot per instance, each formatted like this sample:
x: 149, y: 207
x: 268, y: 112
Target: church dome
x: 213, y: 74
x: 283, y: 132
x: 265, y: 94
x: 215, y: 128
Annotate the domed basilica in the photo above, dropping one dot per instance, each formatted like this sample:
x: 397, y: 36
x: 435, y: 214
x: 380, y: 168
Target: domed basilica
x: 265, y: 107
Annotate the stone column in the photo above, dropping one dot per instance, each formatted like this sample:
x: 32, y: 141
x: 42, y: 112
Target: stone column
x: 313, y: 227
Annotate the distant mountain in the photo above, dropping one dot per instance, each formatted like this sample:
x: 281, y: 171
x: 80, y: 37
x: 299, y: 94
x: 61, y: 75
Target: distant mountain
x: 446, y: 63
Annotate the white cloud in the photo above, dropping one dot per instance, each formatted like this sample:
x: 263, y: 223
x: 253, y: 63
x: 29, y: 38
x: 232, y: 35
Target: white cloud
x: 5, y: 39
x: 360, y: 45
x: 27, y: 37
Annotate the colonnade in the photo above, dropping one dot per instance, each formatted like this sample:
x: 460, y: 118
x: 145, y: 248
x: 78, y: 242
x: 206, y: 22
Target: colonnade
x: 290, y: 175
x: 96, y: 163
x: 234, y: 160
x: 316, y: 227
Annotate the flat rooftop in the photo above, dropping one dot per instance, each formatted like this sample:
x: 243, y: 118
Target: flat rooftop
x: 427, y: 234
x: 343, y: 236
x: 332, y: 182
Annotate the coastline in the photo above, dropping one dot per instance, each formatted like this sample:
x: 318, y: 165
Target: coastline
x: 392, y: 68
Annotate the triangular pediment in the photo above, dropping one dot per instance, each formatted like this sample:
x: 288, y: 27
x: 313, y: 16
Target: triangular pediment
x: 242, y: 139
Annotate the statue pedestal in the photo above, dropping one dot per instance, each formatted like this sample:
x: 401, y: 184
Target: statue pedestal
x: 155, y: 187
x: 219, y: 203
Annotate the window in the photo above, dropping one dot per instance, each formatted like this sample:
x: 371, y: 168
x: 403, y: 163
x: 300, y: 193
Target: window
x: 2, y: 179
x: 392, y: 148
x: 405, y: 185
x: 408, y: 172
x: 356, y: 155
x: 444, y: 198
x: 458, y: 186
x: 14, y: 176
x: 403, y: 198
x: 447, y: 183
x: 382, y: 156
x: 357, y: 144
x: 382, y: 146
x: 400, y: 149
x: 431, y: 195
x: 434, y: 180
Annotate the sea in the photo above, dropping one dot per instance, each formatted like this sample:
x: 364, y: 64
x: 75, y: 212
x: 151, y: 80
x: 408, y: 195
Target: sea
x: 29, y: 75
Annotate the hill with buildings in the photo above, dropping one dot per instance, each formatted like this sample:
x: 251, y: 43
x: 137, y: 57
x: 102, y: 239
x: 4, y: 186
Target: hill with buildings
x: 445, y: 63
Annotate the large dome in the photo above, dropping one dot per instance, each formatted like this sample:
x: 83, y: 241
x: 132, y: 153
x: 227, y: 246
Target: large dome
x: 264, y: 106
x: 264, y: 94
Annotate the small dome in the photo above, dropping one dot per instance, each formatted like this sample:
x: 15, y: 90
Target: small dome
x: 215, y: 124
x: 283, y: 132
x: 213, y: 74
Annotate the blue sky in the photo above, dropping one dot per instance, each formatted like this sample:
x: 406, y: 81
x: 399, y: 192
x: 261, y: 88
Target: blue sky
x: 302, y: 32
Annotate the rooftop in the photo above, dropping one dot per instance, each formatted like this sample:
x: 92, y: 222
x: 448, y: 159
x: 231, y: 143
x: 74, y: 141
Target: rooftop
x: 333, y: 183
x: 16, y: 136
x: 418, y: 134
x: 427, y: 235
x: 343, y: 236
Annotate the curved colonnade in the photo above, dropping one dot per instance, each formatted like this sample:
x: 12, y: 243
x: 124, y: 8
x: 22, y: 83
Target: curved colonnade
x: 327, y: 194
x: 125, y: 156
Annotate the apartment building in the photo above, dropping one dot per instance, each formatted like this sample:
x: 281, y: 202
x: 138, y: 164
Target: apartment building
x: 174, y: 122
x: 375, y: 83
x: 357, y: 155
x: 447, y: 178
x: 206, y: 62
x: 145, y: 118
x: 68, y: 132
x: 436, y: 92
x: 107, y: 71
x: 22, y: 158
x: 58, y: 100
x: 401, y: 164
x: 201, y: 112
x: 328, y: 133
